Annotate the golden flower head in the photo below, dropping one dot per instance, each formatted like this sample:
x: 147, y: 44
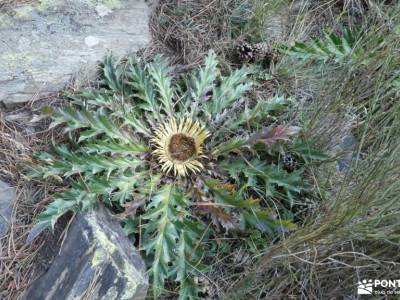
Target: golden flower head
x: 179, y: 145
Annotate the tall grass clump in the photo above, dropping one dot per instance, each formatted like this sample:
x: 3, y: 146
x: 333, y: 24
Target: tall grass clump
x: 347, y: 84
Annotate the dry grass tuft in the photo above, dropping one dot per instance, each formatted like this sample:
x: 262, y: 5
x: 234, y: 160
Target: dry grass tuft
x: 17, y: 259
x: 319, y: 271
x: 186, y: 29
x: 22, y: 134
x: 355, y: 234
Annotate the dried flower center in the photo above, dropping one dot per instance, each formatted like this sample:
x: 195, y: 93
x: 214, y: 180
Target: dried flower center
x: 181, y: 147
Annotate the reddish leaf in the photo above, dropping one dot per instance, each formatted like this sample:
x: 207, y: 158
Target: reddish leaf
x: 279, y: 133
x: 219, y: 216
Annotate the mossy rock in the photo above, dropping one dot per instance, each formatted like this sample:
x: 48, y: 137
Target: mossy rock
x: 97, y: 261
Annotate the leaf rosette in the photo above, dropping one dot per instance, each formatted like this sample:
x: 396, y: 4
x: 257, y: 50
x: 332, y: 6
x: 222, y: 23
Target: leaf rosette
x: 170, y: 154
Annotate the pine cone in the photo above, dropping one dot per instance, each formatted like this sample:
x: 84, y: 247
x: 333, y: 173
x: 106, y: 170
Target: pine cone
x: 289, y: 162
x: 256, y: 52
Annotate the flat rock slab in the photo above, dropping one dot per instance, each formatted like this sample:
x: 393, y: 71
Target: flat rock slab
x: 97, y: 262
x: 42, y: 45
x: 7, y: 197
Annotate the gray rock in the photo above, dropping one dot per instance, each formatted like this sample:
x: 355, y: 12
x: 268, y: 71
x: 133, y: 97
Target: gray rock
x: 97, y: 261
x: 348, y: 145
x: 43, y: 45
x: 7, y: 196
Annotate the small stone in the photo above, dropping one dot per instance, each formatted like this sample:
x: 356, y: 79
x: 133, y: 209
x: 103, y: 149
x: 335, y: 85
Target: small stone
x: 91, y: 41
x: 348, y: 145
x: 96, y: 261
x: 343, y: 164
x: 102, y: 10
x: 7, y: 196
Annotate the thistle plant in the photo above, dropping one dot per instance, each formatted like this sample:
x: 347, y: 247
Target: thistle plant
x: 180, y: 158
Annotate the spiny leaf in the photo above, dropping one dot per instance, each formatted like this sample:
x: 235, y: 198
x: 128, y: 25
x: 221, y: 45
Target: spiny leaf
x: 132, y: 119
x: 143, y: 87
x: 255, y: 115
x: 114, y: 147
x: 119, y: 187
x: 271, y: 135
x: 261, y: 175
x: 188, y: 263
x: 98, y: 99
x: 74, y: 163
x: 332, y: 47
x: 112, y: 105
x: 250, y: 212
x: 290, y: 181
x: 219, y: 215
x: 94, y: 123
x: 227, y: 197
x: 232, y: 145
x: 231, y: 89
x: 112, y: 74
x: 160, y: 74
x: 73, y: 199
x: 189, y: 289
x: 163, y: 210
x: 308, y: 153
x: 203, y: 81
x: 53, y: 212
x: 264, y: 221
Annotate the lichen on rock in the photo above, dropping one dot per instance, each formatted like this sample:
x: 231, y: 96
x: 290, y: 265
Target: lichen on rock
x: 95, y: 245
